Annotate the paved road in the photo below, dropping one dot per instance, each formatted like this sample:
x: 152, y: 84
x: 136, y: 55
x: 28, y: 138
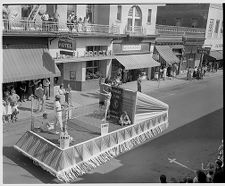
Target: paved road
x: 197, y: 104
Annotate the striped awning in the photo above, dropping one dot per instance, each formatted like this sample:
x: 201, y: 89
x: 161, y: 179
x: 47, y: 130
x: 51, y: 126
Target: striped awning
x: 167, y: 54
x: 137, y: 61
x: 216, y: 54
x: 27, y: 63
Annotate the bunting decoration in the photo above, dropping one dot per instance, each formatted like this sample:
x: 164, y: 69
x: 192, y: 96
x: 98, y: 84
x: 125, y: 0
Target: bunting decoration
x: 69, y: 163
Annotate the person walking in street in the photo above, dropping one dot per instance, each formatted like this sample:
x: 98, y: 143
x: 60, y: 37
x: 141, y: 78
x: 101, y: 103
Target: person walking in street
x: 195, y: 72
x: 46, y: 84
x: 139, y: 83
x: 39, y: 92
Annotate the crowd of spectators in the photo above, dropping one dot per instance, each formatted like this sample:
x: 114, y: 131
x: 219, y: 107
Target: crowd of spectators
x: 212, y: 173
x: 77, y: 24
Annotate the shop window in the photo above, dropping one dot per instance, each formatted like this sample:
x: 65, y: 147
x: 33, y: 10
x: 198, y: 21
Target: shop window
x: 92, y: 70
x: 149, y: 15
x: 119, y: 12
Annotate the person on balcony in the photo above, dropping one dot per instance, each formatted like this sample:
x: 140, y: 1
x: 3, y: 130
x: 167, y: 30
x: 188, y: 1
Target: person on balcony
x: 45, y: 18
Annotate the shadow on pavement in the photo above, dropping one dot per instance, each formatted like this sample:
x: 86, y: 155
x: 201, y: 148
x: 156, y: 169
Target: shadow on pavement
x: 27, y: 164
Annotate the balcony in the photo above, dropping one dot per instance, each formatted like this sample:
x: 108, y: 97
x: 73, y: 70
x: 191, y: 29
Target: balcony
x: 135, y: 30
x: 179, y: 31
x: 54, y: 27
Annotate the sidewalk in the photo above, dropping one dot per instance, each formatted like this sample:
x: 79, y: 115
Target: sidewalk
x: 81, y: 99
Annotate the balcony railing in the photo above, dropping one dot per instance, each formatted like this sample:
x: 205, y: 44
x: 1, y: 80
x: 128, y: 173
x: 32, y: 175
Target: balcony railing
x: 177, y: 30
x: 135, y: 30
x: 49, y: 26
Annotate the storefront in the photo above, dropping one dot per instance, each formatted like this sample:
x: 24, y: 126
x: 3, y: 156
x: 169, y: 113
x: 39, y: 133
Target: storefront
x: 82, y: 60
x: 215, y: 57
x: 25, y: 61
x: 133, y: 57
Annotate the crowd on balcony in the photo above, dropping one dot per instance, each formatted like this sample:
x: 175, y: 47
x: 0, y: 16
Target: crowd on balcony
x: 212, y: 173
x: 77, y: 24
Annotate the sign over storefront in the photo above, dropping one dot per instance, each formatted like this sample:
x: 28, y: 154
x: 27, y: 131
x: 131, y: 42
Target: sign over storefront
x: 131, y: 47
x: 63, y: 44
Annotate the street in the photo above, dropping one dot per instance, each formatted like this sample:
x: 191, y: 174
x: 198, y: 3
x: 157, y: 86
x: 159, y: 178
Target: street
x: 196, y: 123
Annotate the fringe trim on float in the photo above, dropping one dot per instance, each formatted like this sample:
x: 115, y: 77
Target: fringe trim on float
x: 71, y: 174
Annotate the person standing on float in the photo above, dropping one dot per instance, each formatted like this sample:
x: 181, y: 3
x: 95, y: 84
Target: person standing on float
x: 108, y: 96
x: 58, y: 114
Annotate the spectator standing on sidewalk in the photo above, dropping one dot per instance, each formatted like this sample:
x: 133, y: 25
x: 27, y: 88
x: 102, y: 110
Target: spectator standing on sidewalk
x: 218, y: 175
x: 30, y: 89
x: 195, y: 72
x: 46, y: 84
x: 68, y: 95
x: 8, y: 107
x: 39, y: 92
x: 23, y: 89
x: 164, y: 73
x: 139, y: 83
x: 14, y: 98
x: 162, y: 178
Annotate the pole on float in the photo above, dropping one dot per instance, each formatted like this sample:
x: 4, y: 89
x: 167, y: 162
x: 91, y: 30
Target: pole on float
x: 32, y: 120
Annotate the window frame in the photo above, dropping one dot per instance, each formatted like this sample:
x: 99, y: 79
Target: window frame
x: 119, y: 13
x: 149, y: 15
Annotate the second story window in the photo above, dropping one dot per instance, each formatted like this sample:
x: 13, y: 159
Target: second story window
x: 194, y: 23
x: 119, y: 12
x: 26, y: 10
x: 217, y: 26
x: 210, y: 29
x: 90, y: 13
x: 221, y: 28
x: 149, y: 15
x: 134, y: 18
x: 178, y: 21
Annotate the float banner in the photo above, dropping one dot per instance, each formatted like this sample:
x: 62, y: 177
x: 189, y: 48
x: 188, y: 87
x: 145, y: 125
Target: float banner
x: 116, y: 103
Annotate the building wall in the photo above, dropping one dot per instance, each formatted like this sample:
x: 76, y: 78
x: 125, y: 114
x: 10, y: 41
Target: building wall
x: 213, y: 40
x: 168, y: 14
x: 149, y: 28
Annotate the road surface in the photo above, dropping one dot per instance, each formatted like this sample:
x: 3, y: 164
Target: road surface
x: 196, y: 114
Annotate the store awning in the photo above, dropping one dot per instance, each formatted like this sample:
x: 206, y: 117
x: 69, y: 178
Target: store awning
x: 137, y: 61
x: 177, y: 46
x: 218, y: 55
x: 26, y: 63
x: 167, y: 54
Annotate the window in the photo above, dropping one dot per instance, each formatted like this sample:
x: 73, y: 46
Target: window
x: 217, y: 26
x: 92, y: 70
x: 163, y: 22
x: 134, y: 18
x: 194, y: 23
x: 90, y: 13
x: 26, y: 10
x: 221, y: 28
x: 149, y: 15
x: 119, y: 12
x: 210, y: 29
x: 178, y: 21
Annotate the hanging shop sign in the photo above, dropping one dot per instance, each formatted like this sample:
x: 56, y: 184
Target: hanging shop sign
x: 63, y: 44
x: 131, y: 47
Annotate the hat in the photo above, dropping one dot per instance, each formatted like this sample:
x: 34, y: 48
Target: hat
x: 45, y: 114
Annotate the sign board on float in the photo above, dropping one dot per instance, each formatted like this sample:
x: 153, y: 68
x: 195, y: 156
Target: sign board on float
x: 104, y: 128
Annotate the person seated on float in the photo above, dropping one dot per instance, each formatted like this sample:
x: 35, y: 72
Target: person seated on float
x: 46, y: 125
x: 124, y: 119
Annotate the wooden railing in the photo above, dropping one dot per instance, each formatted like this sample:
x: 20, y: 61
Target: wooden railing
x: 50, y: 26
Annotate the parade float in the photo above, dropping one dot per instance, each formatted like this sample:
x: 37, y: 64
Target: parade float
x: 67, y: 161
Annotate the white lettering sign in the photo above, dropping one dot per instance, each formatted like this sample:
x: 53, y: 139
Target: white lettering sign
x: 104, y: 128
x: 131, y: 47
